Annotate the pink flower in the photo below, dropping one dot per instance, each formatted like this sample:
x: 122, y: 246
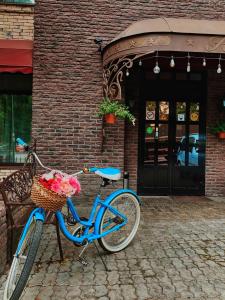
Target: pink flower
x: 75, y: 184
x: 61, y: 183
x: 55, y: 187
x: 66, y: 188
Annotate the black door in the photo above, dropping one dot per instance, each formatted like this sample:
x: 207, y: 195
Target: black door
x: 172, y: 137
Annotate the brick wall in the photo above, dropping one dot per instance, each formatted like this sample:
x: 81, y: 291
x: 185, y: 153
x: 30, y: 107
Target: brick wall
x: 16, y: 22
x: 67, y: 86
x: 215, y: 148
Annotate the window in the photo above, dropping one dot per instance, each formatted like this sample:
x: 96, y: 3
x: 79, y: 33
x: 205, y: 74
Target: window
x: 15, y: 115
x: 18, y: 1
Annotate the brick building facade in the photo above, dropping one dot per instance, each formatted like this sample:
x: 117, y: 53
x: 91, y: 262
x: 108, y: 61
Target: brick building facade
x: 67, y: 86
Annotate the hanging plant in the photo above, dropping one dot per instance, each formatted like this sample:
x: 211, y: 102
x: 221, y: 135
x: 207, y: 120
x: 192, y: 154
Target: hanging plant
x: 111, y: 109
x: 219, y: 129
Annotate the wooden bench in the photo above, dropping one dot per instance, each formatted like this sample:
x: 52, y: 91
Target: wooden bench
x: 16, y: 190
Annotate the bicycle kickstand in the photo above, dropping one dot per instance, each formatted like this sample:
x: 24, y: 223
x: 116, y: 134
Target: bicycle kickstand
x: 100, y: 255
x: 82, y: 259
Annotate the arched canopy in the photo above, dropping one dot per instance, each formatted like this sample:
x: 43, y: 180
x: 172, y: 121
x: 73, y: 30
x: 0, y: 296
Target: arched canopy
x: 167, y: 34
x: 161, y: 34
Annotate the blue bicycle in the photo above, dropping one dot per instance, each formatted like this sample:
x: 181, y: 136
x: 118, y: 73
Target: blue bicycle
x: 113, y: 222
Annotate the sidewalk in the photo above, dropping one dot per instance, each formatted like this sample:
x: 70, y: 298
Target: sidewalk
x: 178, y: 253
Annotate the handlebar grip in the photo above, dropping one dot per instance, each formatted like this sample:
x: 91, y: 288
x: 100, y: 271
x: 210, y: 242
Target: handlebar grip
x: 22, y: 146
x: 20, y: 142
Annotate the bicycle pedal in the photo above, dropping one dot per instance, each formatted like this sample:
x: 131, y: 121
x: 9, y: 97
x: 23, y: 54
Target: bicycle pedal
x: 83, y: 261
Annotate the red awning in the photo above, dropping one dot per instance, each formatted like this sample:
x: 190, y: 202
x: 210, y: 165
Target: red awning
x: 16, y: 56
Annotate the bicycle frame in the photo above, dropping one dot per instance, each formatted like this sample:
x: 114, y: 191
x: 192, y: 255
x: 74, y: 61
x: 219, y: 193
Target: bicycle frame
x: 94, y: 220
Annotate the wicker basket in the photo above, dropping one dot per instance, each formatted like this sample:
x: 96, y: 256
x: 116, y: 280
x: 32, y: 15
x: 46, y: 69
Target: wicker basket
x: 45, y: 198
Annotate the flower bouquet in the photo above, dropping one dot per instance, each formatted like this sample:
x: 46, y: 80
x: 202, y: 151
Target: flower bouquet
x: 50, y: 190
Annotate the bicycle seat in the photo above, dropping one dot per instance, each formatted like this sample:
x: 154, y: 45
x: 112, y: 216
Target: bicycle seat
x: 108, y: 173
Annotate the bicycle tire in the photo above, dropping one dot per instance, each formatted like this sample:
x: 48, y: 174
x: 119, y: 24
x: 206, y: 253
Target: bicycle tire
x: 32, y: 252
x: 106, y: 242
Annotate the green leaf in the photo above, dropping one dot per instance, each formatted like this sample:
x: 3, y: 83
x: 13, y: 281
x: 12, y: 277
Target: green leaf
x: 120, y: 110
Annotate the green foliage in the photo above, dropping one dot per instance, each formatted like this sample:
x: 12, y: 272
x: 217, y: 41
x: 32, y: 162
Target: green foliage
x: 219, y: 127
x: 120, y: 110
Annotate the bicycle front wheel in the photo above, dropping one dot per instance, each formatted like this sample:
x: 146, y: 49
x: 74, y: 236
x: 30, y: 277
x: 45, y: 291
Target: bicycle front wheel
x: 23, y: 262
x: 128, y: 205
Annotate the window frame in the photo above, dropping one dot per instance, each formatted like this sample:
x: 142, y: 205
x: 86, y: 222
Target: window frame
x: 13, y: 91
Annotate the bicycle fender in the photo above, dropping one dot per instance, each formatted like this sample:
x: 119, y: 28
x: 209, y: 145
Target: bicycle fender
x: 38, y: 214
x: 107, y: 202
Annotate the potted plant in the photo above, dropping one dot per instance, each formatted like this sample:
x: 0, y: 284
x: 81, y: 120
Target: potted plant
x: 219, y: 129
x: 111, y: 109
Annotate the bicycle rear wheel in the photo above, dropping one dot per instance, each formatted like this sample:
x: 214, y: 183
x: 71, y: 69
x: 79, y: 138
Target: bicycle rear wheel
x: 23, y: 262
x: 128, y: 205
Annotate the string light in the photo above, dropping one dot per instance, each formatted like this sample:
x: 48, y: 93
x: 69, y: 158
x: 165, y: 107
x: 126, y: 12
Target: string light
x: 188, y: 64
x: 219, y: 69
x: 204, y: 62
x: 172, y: 62
x: 156, y: 69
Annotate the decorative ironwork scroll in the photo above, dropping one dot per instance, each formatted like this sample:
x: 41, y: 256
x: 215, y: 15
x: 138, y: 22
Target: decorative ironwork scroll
x: 113, y: 75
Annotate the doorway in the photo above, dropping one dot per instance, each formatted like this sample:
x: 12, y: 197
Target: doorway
x: 171, y: 158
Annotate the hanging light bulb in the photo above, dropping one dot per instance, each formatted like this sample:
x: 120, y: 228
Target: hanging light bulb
x: 156, y: 69
x: 172, y: 62
x: 127, y: 73
x: 204, y: 62
x: 140, y: 63
x: 188, y: 67
x: 188, y: 64
x: 219, y: 69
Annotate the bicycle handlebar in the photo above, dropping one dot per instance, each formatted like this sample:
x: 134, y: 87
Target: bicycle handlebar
x: 27, y: 148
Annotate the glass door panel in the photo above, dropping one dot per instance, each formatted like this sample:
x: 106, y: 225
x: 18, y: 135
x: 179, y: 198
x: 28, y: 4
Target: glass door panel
x: 181, y: 111
x: 181, y: 145
x: 150, y: 110
x: 149, y: 144
x: 156, y: 132
x: 194, y: 111
x: 164, y: 110
x: 162, y: 154
x: 193, y: 145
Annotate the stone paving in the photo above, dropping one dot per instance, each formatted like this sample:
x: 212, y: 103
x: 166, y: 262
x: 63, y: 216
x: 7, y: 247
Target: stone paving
x: 178, y: 253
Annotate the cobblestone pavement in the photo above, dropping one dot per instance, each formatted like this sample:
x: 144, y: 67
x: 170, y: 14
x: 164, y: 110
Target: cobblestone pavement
x: 178, y: 253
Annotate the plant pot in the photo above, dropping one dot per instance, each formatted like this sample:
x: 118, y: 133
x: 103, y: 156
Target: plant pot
x: 221, y: 135
x: 110, y: 118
